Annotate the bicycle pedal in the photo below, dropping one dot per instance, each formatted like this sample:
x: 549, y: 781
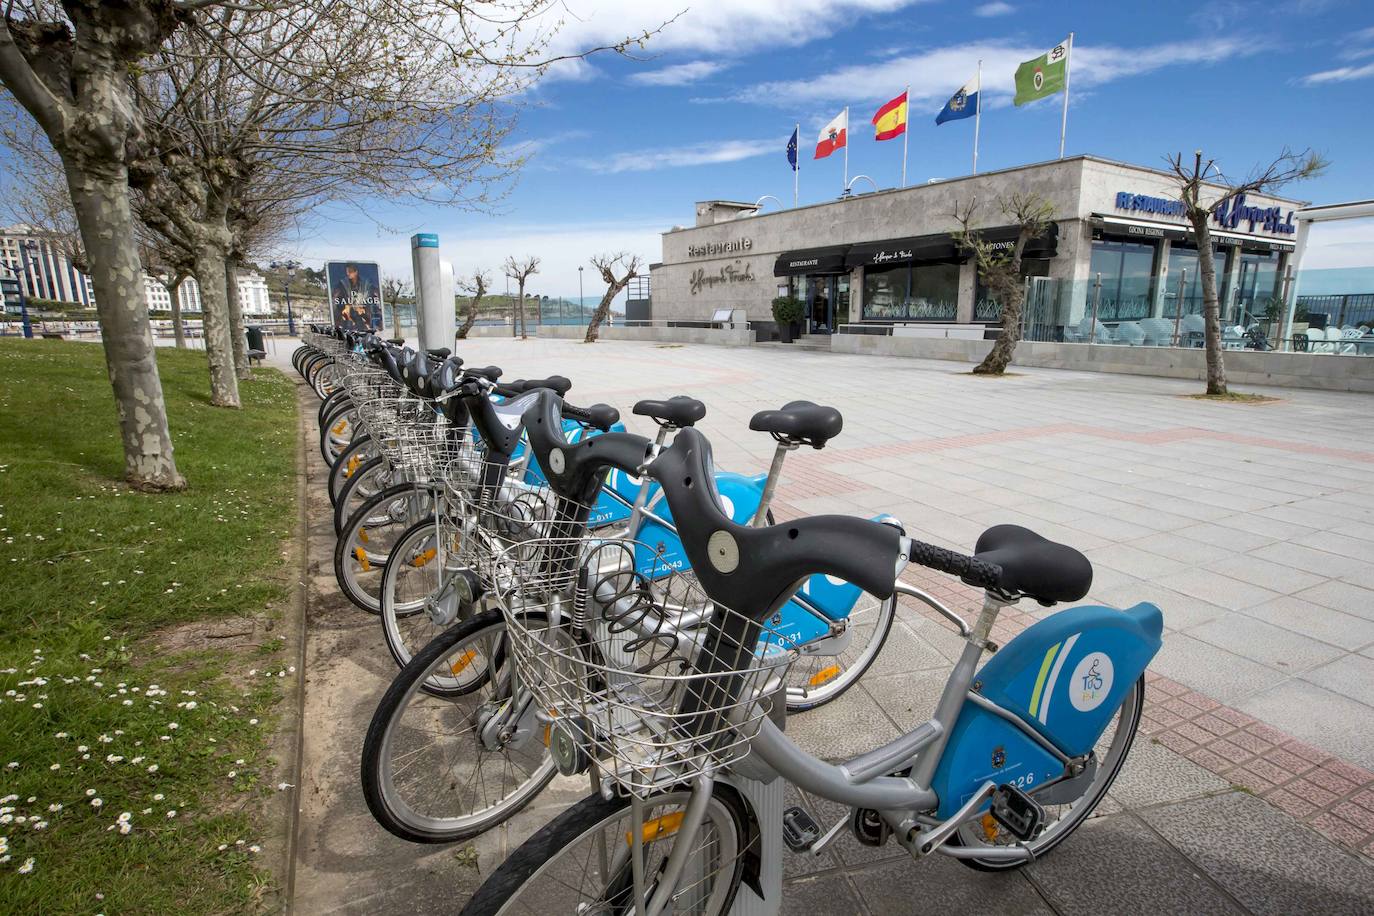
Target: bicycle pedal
x: 1017, y: 811
x: 799, y: 829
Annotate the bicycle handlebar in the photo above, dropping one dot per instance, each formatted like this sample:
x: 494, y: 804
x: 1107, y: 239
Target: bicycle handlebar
x: 969, y: 569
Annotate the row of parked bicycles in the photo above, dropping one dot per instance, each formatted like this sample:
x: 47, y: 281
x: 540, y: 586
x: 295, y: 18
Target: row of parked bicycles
x: 563, y: 596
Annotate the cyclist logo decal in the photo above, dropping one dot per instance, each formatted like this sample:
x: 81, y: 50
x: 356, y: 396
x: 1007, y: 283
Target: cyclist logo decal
x: 1091, y: 681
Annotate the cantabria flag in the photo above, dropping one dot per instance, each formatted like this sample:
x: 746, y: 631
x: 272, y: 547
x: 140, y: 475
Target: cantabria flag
x: 1044, y: 76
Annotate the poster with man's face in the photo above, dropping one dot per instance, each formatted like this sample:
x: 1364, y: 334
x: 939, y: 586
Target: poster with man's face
x: 355, y: 294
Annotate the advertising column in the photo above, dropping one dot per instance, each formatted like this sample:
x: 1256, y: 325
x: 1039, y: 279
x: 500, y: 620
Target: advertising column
x: 433, y: 314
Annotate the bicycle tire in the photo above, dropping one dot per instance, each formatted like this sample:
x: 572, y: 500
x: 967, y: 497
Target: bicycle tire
x: 332, y: 438
x: 542, y: 850
x: 384, y: 801
x: 328, y: 404
x: 834, y: 689
x: 347, y: 542
x: 340, y: 473
x: 402, y: 649
x: 345, y: 504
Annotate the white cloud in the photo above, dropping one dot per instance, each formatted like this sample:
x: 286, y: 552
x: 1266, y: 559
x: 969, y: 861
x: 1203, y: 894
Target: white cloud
x: 721, y: 29
x: 679, y: 74
x: 989, y: 10
x: 1339, y: 75
x: 935, y: 73
x: 710, y: 153
x: 1346, y: 244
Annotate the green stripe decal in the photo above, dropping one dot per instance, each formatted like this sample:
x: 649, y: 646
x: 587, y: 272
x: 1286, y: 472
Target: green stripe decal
x: 1040, y: 681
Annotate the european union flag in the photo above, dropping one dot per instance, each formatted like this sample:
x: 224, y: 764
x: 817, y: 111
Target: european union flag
x: 792, y: 149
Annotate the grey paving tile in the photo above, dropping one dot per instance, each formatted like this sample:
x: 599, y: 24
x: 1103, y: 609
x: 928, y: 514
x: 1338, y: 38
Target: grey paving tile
x: 1350, y: 676
x: 1121, y: 859
x: 1265, y: 643
x: 1264, y: 859
x: 1335, y: 627
x: 1134, y: 561
x: 1356, y: 548
x: 1154, y: 775
x: 1217, y: 589
x: 1274, y: 576
x: 834, y: 729
x: 938, y: 884
x: 1307, y: 559
x: 1222, y: 536
x: 1342, y: 596
x: 821, y: 895
x: 1323, y: 718
x: 1177, y: 547
x: 1221, y: 675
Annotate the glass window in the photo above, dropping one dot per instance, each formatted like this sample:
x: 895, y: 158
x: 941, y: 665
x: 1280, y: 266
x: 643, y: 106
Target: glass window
x: 1255, y: 287
x: 1126, y: 270
x: 920, y: 292
x: 1183, y: 294
x: 986, y: 307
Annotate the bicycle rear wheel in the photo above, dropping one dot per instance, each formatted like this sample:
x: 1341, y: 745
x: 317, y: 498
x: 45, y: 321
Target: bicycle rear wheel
x: 581, y: 861
x: 1109, y: 754
x: 814, y: 680
x: 427, y: 775
x: 361, y: 551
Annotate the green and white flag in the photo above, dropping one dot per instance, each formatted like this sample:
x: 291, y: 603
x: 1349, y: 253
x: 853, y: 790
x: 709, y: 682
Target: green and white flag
x: 1042, y: 77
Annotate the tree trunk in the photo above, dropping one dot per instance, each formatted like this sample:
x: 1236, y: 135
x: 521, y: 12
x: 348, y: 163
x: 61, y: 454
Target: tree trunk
x: 1211, y: 307
x: 240, y: 339
x: 208, y: 268
x: 101, y: 201
x: 603, y: 310
x: 521, y: 307
x: 1012, y: 293
x: 470, y: 320
x: 178, y: 329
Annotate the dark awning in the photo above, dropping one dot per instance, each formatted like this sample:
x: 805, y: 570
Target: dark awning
x: 891, y: 252
x: 811, y: 261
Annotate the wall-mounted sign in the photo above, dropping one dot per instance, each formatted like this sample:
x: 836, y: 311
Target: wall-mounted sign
x: 1228, y: 216
x: 1142, y: 203
x: 1270, y: 219
x: 700, y: 280
x: 710, y: 249
x: 884, y: 256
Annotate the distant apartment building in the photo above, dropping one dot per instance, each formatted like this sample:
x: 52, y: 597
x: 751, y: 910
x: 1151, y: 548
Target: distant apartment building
x: 49, y: 273
x: 253, y: 296
x: 158, y: 300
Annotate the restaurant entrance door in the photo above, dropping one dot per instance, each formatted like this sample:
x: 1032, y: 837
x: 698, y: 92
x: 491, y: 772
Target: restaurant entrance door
x: 827, y: 296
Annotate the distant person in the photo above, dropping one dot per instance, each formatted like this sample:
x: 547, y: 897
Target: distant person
x: 352, y: 296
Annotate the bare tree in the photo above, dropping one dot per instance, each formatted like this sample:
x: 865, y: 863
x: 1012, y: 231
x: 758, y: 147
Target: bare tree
x: 171, y: 268
x: 520, y: 271
x: 1203, y: 190
x: 475, y: 287
x: 1000, y: 268
x: 393, y: 288
x: 72, y: 66
x: 627, y: 265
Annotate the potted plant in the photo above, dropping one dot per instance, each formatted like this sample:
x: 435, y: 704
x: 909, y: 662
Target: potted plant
x: 787, y: 312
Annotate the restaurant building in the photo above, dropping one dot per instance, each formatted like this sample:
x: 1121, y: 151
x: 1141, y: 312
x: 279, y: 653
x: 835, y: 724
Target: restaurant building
x: 1118, y: 247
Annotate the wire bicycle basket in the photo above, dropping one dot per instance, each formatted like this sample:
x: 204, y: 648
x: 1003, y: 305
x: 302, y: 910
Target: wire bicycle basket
x: 650, y: 678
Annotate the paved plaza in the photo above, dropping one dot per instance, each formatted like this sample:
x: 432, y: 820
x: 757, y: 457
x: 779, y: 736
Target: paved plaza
x: 1251, y: 526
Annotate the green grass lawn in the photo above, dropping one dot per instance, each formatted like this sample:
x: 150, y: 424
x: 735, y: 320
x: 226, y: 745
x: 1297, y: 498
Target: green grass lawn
x: 133, y: 772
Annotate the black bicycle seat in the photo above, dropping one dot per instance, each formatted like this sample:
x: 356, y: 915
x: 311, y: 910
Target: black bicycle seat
x: 398, y: 341
x: 680, y: 411
x: 1035, y: 566
x: 800, y: 421
x: 490, y: 373
x: 602, y: 417
x: 555, y: 383
x: 439, y: 353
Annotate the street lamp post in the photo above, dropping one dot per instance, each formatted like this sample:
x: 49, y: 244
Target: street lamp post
x: 580, y: 302
x: 27, y: 249
x: 286, y: 285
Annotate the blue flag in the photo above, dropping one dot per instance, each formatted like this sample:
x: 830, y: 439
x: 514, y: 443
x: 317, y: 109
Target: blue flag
x: 792, y: 150
x: 963, y: 104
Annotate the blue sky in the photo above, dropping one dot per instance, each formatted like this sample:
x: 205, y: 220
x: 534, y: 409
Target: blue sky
x: 620, y: 149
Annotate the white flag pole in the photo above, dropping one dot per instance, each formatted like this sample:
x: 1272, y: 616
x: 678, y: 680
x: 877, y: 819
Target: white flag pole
x: 1064, y: 121
x: 977, y: 116
x: 846, y: 147
x: 906, y: 131
x: 796, y: 168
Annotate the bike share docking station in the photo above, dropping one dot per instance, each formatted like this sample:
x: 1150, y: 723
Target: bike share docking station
x: 434, y: 310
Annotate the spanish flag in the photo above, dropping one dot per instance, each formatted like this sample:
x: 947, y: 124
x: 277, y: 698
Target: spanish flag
x: 890, y: 121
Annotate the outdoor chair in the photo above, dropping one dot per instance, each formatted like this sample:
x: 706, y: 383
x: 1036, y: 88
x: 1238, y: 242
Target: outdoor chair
x: 1192, y: 331
x: 1316, y: 340
x: 1159, y: 332
x: 1129, y: 334
x: 257, y: 349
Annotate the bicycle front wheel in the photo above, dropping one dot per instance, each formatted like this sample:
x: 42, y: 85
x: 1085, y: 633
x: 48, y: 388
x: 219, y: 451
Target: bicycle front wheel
x: 428, y: 775
x: 814, y: 680
x: 581, y: 861
x: 420, y: 569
